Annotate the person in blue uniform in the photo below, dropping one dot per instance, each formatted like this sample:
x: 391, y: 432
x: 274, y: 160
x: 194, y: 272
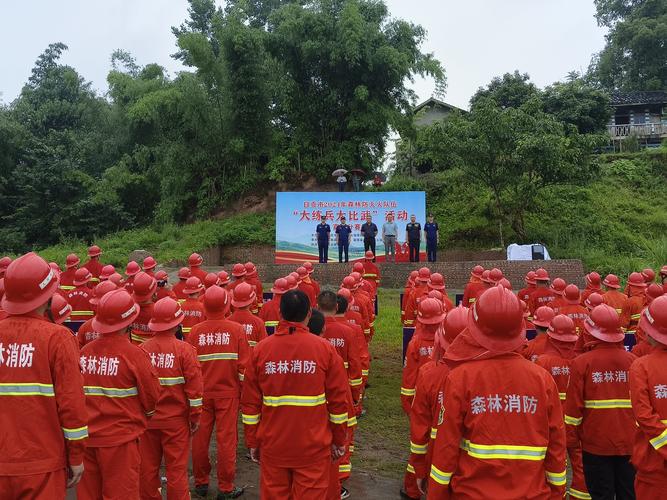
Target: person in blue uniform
x: 323, y: 233
x: 369, y: 231
x: 413, y: 235
x: 432, y: 237
x: 343, y: 237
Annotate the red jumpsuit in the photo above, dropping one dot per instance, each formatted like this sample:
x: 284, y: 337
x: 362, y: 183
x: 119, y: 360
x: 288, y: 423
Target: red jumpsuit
x: 79, y: 298
x: 535, y: 347
x: 540, y: 297
x: 140, y: 332
x: 557, y: 304
x: 179, y: 408
x: 615, y: 299
x: 420, y: 291
x: 253, y: 326
x: 122, y: 391
x: 648, y: 392
x: 365, y: 303
x: 95, y: 268
x: 86, y: 334
x: 372, y: 273
x: 270, y: 314
x: 164, y: 291
x: 576, y: 313
x: 307, y: 288
x: 222, y: 351
x: 178, y: 291
x: 193, y: 310
x: 418, y: 353
x: 406, y: 298
x: 588, y: 291
x: 43, y: 408
x: 259, y: 291
x: 632, y: 310
x: 67, y: 280
x: 198, y: 272
x: 524, y: 293
x: 501, y: 436
x: 294, y: 407
x: 361, y: 342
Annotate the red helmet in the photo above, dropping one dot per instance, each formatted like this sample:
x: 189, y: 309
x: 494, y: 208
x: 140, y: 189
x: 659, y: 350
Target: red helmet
x: 495, y: 275
x: 195, y: 260
x: 94, y: 251
x: 485, y: 276
x: 193, y: 285
x: 216, y: 302
x: 412, y: 277
x: 653, y: 292
x: 435, y: 294
x: 243, y: 295
x: 653, y: 321
x: 423, y: 275
x: 132, y: 268
x: 279, y: 286
x: 593, y: 279
x: 543, y: 316
x: 56, y: 268
x: 4, y: 264
x: 296, y: 277
x: 250, y: 269
x: 530, y: 278
x: 144, y: 287
x: 541, y: 275
x: 593, y: 300
x: 106, y: 272
x: 238, y: 270
x: 505, y: 283
x: 369, y: 255
x: 572, y: 294
x: 183, y: 273
x: 437, y: 282
x: 292, y: 282
x: 358, y: 267
x: 604, y: 324
x: 60, y: 309
x: 649, y: 275
x: 2, y: 288
x: 455, y: 322
x: 82, y: 277
x: 562, y: 328
x: 211, y: 279
x: 637, y: 280
x: 349, y: 283
x: 496, y: 320
x: 149, y: 263
x: 116, y: 279
x: 663, y: 271
x: 167, y: 314
x: 72, y: 260
x: 309, y: 267
x: 115, y: 311
x: 612, y: 281
x: 477, y: 272
x: 101, y: 290
x: 346, y: 294
x: 161, y: 276
x: 302, y: 272
x: 430, y: 312
x: 357, y: 277
x: 224, y: 278
x: 558, y: 286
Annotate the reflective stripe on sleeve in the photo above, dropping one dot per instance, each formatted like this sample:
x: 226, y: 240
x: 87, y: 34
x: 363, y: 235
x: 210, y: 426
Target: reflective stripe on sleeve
x: 186, y: 329
x: 291, y: 400
x: 418, y: 449
x: 250, y: 419
x: 82, y: 313
x: 355, y: 382
x: 138, y: 338
x: 601, y: 404
x: 252, y: 343
x: 338, y: 418
x: 195, y: 402
x: 214, y: 356
x: 434, y: 432
x: 271, y: 323
x: 346, y: 364
x: 557, y: 478
x: 636, y: 317
x: 241, y: 377
x: 351, y: 422
x: 27, y: 389
x: 345, y: 468
x: 110, y: 392
x: 364, y: 373
x: 411, y: 469
x: 659, y: 441
x: 171, y: 380
x: 504, y: 451
x: 440, y: 477
x: 562, y: 395
x: 578, y: 494
x: 572, y: 420
x: 75, y: 434
x: 408, y: 392
x: 66, y: 287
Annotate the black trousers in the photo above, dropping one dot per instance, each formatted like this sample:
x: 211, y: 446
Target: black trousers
x: 431, y: 250
x: 343, y: 249
x: 369, y: 244
x: 323, y: 248
x: 609, y: 477
x: 414, y: 250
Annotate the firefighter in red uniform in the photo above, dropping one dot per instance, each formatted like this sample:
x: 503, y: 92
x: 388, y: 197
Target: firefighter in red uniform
x: 195, y: 262
x: 107, y: 272
x: 498, y: 436
x: 253, y: 278
x: 4, y: 264
x: 94, y: 265
x: 122, y: 391
x: 493, y: 277
x: 295, y: 407
x: 131, y: 270
x: 210, y: 280
x: 542, y: 320
x: 368, y: 285
x: 149, y: 266
x: 183, y: 275
x: 663, y: 278
x: 178, y: 409
x: 305, y: 285
x: 598, y: 412
x: 573, y: 309
x: 648, y: 392
x: 362, y: 299
x: 437, y: 282
x: 419, y: 291
x: 223, y: 352
x: 557, y: 358
x: 67, y: 276
x: 371, y: 271
x: 635, y: 304
x: 311, y: 269
x: 353, y: 320
x: 524, y: 293
x: 270, y: 313
x: 144, y: 290
x: 238, y: 273
x: 612, y: 297
x: 474, y: 286
x: 60, y: 310
x: 243, y: 298
x: 649, y: 275
x: 409, y: 286
x: 193, y: 309
x: 543, y: 295
x: 163, y: 288
x: 558, y: 286
x: 643, y: 346
x: 354, y: 315
x: 593, y: 282
x: 43, y: 431
x: 79, y: 296
x: 86, y: 332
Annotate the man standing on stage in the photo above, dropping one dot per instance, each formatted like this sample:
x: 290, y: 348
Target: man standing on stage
x: 389, y: 233
x: 413, y: 236
x: 432, y: 236
x: 343, y: 238
x: 323, y: 232
x: 369, y: 232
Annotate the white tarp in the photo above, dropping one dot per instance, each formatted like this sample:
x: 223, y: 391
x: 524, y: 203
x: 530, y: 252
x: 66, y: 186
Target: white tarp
x: 525, y: 252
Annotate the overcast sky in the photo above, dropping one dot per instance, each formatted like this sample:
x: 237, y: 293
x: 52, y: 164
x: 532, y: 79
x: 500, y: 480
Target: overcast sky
x: 475, y: 39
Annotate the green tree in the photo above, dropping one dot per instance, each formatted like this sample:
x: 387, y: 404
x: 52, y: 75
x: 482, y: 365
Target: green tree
x: 578, y: 104
x: 509, y: 91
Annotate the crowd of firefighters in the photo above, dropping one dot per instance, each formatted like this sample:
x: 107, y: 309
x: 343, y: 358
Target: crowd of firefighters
x: 104, y: 378
x: 493, y: 415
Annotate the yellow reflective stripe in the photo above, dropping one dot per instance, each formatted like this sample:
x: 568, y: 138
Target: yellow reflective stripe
x: 408, y: 392
x: 351, y: 422
x: 472, y: 300
x: 603, y: 404
x: 368, y: 330
x: 82, y: 313
x: 636, y: 316
x: 440, y: 477
x: 291, y: 400
x: 250, y: 419
x: 149, y: 413
x: 195, y: 402
x: 562, y: 395
x: 364, y: 373
x: 252, y: 343
x: 411, y: 469
x: 338, y: 418
x: 578, y: 494
x: 504, y: 451
x: 27, y: 389
x: 354, y: 382
x: 346, y: 364
x: 271, y: 323
x: 434, y: 432
x: 94, y: 279
x: 351, y: 447
x: 180, y: 301
x: 418, y: 449
x: 629, y: 332
x: 110, y: 392
x: 557, y: 478
x: 75, y: 434
x: 241, y: 377
x: 186, y: 329
x: 619, y: 311
x: 370, y: 275
x: 409, y: 321
x: 67, y: 287
x: 659, y: 441
x: 217, y: 356
x: 345, y: 468
x: 171, y: 380
x: 572, y: 420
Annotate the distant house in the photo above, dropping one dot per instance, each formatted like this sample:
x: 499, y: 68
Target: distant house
x: 642, y: 114
x: 433, y: 110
